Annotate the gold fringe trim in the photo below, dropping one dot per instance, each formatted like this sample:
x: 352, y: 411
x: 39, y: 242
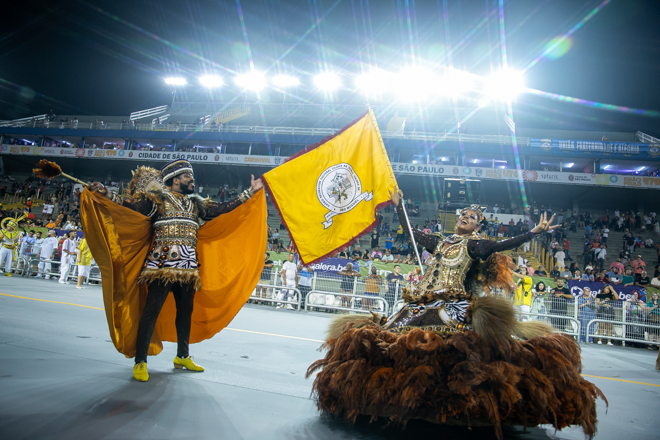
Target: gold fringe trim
x: 171, y: 275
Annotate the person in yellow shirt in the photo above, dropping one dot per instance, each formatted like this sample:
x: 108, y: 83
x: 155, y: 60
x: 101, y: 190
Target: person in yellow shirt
x: 84, y: 261
x: 524, y: 296
x: 8, y: 239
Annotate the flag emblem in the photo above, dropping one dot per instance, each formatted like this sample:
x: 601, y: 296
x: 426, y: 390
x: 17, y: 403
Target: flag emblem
x: 339, y: 190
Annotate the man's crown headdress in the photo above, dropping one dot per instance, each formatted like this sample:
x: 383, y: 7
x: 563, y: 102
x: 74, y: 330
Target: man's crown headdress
x: 176, y: 168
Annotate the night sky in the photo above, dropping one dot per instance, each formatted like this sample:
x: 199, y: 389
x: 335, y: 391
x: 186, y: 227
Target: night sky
x: 110, y: 57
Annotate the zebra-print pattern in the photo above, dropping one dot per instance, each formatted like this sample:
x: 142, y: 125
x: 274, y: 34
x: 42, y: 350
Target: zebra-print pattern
x: 187, y: 260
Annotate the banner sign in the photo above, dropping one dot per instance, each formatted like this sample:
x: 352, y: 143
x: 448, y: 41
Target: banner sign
x: 432, y: 170
x: 527, y: 175
x: 625, y: 293
x: 330, y: 266
x: 164, y: 156
x: 564, y: 147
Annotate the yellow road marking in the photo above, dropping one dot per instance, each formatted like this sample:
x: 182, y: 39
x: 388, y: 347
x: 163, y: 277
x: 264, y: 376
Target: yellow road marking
x: 621, y: 380
x: 99, y: 308
x: 50, y: 301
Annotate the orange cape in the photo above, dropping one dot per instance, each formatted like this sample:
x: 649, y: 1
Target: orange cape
x: 230, y: 251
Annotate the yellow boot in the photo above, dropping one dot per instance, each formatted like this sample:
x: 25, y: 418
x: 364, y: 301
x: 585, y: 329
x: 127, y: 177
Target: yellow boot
x: 140, y: 372
x: 188, y: 363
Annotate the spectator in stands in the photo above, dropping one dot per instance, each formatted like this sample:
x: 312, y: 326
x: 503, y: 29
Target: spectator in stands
x: 376, y: 253
x: 559, y: 297
x: 605, y: 310
x: 555, y: 272
x: 587, y: 275
x: 586, y: 312
x: 560, y: 257
x: 388, y: 242
x: 600, y: 257
x: 577, y: 276
x: 388, y: 257
x: 630, y: 243
x: 614, y: 276
x: 655, y: 282
x: 540, y: 272
x: 639, y: 265
x: 628, y: 279
x: 530, y: 269
x: 347, y: 281
x: 304, y: 281
x: 375, y: 238
x: 392, y: 279
x: 642, y: 280
x: 372, y: 283
x: 356, y: 254
x: 653, y: 310
x: 276, y: 241
x: 618, y: 265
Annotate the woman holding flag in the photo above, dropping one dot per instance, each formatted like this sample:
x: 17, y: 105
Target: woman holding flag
x: 455, y: 352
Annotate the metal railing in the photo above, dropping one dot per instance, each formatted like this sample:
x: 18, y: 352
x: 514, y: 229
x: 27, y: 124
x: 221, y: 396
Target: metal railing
x: 347, y: 302
x: 269, y: 294
x: 620, y: 331
x: 257, y: 129
x: 148, y: 112
x: 563, y: 323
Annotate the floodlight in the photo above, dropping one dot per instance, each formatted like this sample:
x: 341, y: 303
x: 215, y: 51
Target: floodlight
x: 504, y: 85
x: 211, y: 81
x: 568, y: 165
x: 377, y: 81
x: 327, y: 81
x: 606, y: 167
x: 284, y: 81
x: 417, y: 83
x: 455, y: 82
x: 641, y: 168
x: 251, y: 81
x: 175, y: 81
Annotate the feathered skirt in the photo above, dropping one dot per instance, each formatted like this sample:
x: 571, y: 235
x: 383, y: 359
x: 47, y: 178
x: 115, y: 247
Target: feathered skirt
x: 456, y: 379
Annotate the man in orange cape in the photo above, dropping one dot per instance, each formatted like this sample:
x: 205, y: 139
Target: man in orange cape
x: 151, y: 243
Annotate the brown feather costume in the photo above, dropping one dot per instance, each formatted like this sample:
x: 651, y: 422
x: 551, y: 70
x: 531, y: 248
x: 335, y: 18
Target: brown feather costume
x: 488, y: 369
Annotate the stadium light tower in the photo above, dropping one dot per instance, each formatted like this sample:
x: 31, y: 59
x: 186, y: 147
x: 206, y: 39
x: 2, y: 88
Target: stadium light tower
x: 504, y: 85
x: 175, y: 81
x: 417, y: 83
x: 284, y: 81
x: 375, y: 82
x: 327, y: 81
x: 211, y: 81
x: 251, y: 81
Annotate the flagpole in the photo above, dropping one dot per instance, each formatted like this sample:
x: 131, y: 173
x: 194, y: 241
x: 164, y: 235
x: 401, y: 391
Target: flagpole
x: 412, y: 236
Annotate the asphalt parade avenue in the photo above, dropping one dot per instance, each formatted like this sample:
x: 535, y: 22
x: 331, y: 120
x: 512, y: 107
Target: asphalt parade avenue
x: 61, y: 378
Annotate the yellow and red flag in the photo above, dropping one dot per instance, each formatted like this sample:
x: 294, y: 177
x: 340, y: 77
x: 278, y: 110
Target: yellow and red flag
x: 328, y: 194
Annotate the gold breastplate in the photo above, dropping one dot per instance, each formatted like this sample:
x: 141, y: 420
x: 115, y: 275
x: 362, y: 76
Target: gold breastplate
x: 452, y: 263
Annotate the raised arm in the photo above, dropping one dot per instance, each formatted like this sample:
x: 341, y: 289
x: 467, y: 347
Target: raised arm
x: 214, y: 209
x: 143, y: 206
x: 485, y: 248
x: 426, y: 240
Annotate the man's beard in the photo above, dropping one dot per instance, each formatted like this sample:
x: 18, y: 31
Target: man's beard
x: 188, y: 189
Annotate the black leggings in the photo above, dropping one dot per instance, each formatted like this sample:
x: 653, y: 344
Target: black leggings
x: 184, y: 294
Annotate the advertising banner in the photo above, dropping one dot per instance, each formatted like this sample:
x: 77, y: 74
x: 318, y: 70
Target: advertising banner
x: 565, y: 147
x: 577, y: 287
x: 426, y: 170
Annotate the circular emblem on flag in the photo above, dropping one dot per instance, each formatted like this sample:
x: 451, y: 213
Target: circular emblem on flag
x: 80, y: 152
x: 217, y: 157
x: 530, y: 175
x: 339, y: 190
x: 570, y: 177
x: 614, y: 179
x: 130, y: 154
x: 546, y: 144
